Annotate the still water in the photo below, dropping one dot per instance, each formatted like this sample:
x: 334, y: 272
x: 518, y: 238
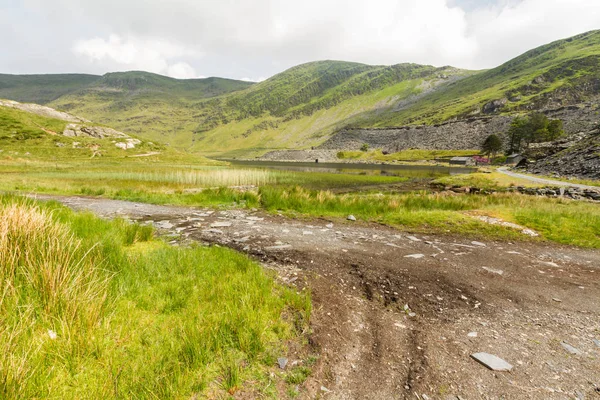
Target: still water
x: 413, y: 171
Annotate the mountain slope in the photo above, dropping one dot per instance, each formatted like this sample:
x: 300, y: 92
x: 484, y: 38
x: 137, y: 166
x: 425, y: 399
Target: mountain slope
x: 42, y: 89
x: 560, y: 73
x: 297, y: 107
x: 307, y: 104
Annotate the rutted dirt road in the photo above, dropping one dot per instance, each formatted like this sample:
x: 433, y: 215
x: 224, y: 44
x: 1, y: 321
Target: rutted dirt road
x: 397, y: 316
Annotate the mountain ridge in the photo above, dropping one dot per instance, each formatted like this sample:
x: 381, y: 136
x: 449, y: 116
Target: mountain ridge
x: 305, y: 105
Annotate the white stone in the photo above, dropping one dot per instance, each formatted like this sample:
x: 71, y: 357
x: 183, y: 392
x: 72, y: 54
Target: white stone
x: 415, y: 256
x: 492, y: 362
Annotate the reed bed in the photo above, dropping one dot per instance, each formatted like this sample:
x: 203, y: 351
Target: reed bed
x: 202, y: 178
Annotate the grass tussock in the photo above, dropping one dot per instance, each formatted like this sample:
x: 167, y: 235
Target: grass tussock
x: 49, y: 284
x: 560, y: 220
x: 204, y: 178
x: 99, y: 309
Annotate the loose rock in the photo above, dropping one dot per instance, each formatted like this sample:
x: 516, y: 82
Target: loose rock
x: 415, y: 256
x: 282, y: 361
x: 492, y: 362
x: 494, y: 271
x: 351, y: 218
x: 570, y: 349
x: 220, y: 224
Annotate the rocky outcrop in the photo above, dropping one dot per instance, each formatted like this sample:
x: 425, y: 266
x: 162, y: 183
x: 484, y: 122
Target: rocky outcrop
x: 78, y: 127
x: 494, y: 106
x: 465, y: 134
x: 581, y: 160
x: 98, y: 132
x: 455, y: 135
x: 42, y: 110
x: 301, y: 155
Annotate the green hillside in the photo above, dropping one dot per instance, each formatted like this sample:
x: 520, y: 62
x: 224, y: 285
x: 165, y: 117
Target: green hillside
x: 42, y: 89
x: 563, y: 72
x: 303, y: 106
x: 298, y: 107
x: 30, y: 138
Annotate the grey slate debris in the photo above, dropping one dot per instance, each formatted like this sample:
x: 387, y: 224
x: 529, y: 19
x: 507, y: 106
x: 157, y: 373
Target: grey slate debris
x: 491, y: 361
x: 596, y: 342
x: 282, y: 361
x: 279, y: 247
x: 220, y: 224
x: 570, y: 349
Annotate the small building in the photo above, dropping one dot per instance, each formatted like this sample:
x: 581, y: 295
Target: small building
x: 514, y: 159
x: 464, y: 161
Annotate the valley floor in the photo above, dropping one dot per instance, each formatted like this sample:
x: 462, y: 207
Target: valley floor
x: 397, y: 316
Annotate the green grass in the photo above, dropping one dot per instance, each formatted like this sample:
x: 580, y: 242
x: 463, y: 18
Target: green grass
x: 99, y: 308
x: 312, y: 194
x: 559, y: 220
x: 404, y: 155
x: 566, y: 65
x: 18, y: 126
x: 42, y: 89
x: 485, y: 180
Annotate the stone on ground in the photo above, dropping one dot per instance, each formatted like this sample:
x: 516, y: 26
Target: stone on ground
x: 570, y: 349
x: 492, y: 362
x: 282, y: 361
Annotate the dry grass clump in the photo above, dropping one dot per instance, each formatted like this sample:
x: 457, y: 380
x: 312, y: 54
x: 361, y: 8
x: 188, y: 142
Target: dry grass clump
x: 48, y: 287
x: 206, y: 178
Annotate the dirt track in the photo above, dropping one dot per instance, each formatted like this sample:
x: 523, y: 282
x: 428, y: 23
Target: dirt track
x: 393, y: 311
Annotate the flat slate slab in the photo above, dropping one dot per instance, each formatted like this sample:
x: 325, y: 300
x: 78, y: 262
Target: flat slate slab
x: 570, y: 349
x: 491, y: 361
x: 279, y: 247
x: 415, y: 256
x: 220, y: 224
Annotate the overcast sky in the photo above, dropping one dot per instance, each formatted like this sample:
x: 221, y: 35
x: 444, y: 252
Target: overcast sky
x: 255, y: 39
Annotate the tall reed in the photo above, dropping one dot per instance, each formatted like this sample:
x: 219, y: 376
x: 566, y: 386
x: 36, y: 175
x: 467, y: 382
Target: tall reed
x: 49, y: 286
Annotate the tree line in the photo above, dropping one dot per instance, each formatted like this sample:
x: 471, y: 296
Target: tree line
x: 533, y: 128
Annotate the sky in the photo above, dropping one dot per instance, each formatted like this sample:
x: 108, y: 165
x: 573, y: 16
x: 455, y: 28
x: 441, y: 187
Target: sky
x: 255, y: 39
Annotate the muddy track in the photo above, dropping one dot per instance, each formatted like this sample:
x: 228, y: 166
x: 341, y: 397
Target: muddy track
x: 396, y: 316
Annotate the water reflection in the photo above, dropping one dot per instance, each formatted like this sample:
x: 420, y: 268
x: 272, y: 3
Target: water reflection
x: 416, y: 171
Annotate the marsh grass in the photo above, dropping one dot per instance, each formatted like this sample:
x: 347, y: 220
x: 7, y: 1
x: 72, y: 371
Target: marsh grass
x: 91, y: 308
x: 201, y: 178
x: 560, y: 220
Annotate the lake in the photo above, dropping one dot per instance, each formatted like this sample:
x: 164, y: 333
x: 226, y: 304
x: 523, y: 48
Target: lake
x: 413, y: 171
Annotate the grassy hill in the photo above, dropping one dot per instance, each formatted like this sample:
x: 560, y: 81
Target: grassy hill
x: 298, y: 107
x: 42, y: 89
x: 563, y: 72
x: 303, y: 106
x: 30, y: 138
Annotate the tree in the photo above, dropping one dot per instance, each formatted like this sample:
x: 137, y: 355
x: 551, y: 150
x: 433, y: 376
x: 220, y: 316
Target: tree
x: 492, y: 145
x: 364, y: 147
x: 533, y: 129
x: 518, y: 131
x: 555, y: 129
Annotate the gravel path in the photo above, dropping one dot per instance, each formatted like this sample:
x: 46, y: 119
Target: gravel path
x: 398, y: 315
x: 544, y: 181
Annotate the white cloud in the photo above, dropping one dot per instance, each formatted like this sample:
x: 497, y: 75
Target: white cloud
x: 262, y: 37
x: 145, y: 54
x: 260, y: 79
x: 182, y: 70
